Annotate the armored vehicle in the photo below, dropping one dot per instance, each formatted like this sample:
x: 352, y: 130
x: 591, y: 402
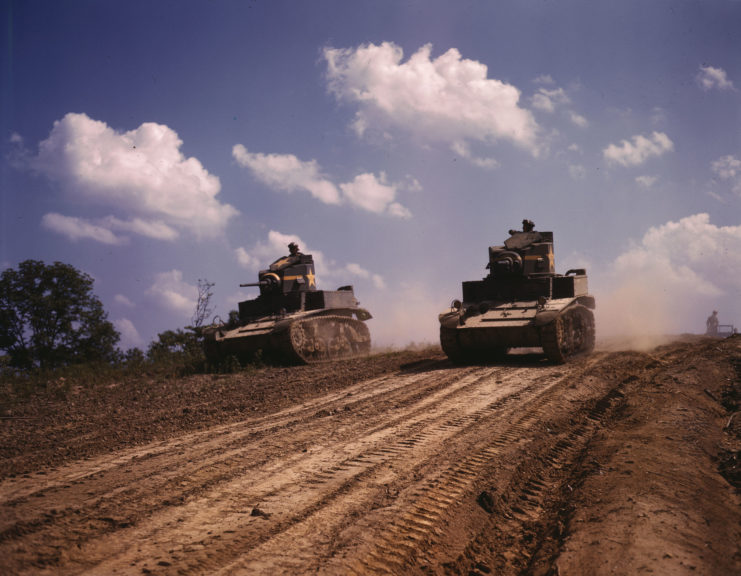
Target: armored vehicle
x: 291, y: 320
x: 522, y: 303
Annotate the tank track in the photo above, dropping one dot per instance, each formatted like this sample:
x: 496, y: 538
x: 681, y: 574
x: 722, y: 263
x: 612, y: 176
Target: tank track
x: 572, y: 332
x: 449, y: 344
x: 323, y: 338
x: 211, y: 349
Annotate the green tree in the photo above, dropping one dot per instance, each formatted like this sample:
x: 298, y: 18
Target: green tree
x: 177, y: 351
x: 50, y: 317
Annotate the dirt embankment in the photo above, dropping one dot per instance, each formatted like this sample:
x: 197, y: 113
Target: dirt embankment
x: 621, y: 462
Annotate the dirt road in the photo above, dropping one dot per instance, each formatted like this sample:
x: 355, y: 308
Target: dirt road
x: 399, y: 464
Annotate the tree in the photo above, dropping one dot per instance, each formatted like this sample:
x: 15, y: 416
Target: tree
x: 50, y: 317
x: 203, y: 304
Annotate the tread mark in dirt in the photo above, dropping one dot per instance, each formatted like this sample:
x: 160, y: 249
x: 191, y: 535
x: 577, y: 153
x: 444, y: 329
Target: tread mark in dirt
x: 431, y: 506
x: 434, y: 470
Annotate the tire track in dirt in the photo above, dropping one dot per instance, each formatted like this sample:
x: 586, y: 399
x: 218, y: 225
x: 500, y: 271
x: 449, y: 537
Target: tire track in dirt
x: 527, y: 518
x: 106, y: 491
x: 215, y: 437
x: 290, y: 494
x: 412, y: 534
x: 361, y: 480
x: 165, y: 464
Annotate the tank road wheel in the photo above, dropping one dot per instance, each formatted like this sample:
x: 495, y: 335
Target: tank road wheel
x: 326, y: 338
x: 571, y: 332
x: 316, y: 346
x: 298, y: 337
x: 339, y: 345
x: 351, y: 337
x: 358, y: 337
x: 317, y: 350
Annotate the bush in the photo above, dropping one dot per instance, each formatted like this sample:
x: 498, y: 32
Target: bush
x: 178, y: 352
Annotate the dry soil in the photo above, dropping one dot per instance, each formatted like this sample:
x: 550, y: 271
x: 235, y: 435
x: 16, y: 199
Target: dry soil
x: 620, y: 462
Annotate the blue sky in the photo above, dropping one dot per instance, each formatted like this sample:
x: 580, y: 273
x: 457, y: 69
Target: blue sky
x: 151, y: 144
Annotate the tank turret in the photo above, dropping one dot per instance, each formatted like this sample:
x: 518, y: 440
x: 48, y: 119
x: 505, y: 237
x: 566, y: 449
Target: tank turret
x: 291, y: 319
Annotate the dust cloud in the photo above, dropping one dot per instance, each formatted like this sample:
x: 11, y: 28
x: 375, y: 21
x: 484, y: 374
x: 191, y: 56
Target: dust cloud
x: 406, y: 318
x: 669, y: 282
x: 632, y: 316
x: 639, y: 313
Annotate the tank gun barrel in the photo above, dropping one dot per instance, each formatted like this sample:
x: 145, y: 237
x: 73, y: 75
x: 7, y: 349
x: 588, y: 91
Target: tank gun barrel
x: 268, y: 280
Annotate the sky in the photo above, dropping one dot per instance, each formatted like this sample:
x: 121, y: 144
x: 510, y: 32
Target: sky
x: 156, y: 144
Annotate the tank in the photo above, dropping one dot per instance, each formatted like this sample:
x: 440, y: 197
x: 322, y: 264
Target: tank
x: 291, y: 321
x: 521, y: 303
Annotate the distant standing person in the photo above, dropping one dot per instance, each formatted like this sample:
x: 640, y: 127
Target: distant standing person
x: 712, y: 324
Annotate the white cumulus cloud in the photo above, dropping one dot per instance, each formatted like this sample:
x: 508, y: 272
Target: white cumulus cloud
x: 578, y: 120
x: 288, y: 173
x: 398, y: 211
x: 379, y: 282
x: 123, y: 300
x: 463, y: 150
x: 548, y: 99
x: 544, y: 79
x: 170, y: 290
x: 243, y: 257
x: 104, y: 230
x: 639, y: 150
x: 130, y: 337
x: 448, y: 98
x: 709, y: 78
x: 156, y: 229
x: 646, y: 181
x: 374, y: 194
x: 79, y: 229
x: 140, y: 175
x: 728, y: 168
x: 369, y: 192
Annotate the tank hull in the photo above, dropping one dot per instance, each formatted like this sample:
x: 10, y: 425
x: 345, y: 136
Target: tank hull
x: 561, y: 327
x: 298, y: 338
